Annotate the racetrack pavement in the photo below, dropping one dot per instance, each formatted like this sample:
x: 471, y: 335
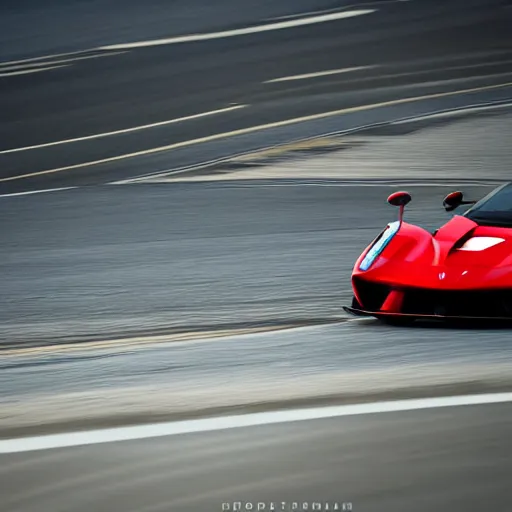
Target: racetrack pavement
x: 441, y: 459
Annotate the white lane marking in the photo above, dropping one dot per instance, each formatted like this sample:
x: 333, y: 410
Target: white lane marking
x: 242, y: 31
x: 390, y: 64
x: 161, y: 176
x: 226, y: 184
x: 154, y: 430
x: 28, y: 71
x: 30, y: 65
x: 44, y: 57
x: 451, y: 113
x: 318, y: 74
x: 335, y: 9
x: 30, y: 192
x: 445, y: 69
x: 308, y: 13
x: 125, y: 130
x: 254, y: 129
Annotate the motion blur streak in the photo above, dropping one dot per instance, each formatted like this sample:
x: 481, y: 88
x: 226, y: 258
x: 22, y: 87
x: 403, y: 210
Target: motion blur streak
x: 254, y: 129
x: 220, y: 423
x: 441, y: 460
x: 242, y: 31
x: 126, y: 130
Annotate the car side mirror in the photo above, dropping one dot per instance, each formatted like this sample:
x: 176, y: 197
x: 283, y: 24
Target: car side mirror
x: 400, y: 199
x: 453, y: 200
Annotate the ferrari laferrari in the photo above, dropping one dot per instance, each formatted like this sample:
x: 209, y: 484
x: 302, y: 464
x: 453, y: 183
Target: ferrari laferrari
x: 463, y: 270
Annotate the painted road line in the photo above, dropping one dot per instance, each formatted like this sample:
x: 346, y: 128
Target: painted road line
x: 31, y: 65
x: 242, y: 31
x: 307, y: 14
x: 427, y: 72
x: 30, y: 192
x: 389, y: 76
x: 453, y: 112
x: 316, y: 140
x: 29, y: 71
x: 318, y: 74
x: 254, y: 129
x: 334, y: 9
x: 156, y: 430
x: 125, y: 130
x: 44, y: 57
x: 332, y: 184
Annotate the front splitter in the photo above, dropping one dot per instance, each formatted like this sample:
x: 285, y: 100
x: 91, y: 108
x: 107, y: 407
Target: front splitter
x: 415, y: 316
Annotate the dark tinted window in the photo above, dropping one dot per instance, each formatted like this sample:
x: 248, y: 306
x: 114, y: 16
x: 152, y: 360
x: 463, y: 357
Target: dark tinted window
x: 494, y: 208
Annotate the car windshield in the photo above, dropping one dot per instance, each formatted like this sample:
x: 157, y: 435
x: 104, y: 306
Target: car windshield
x: 494, y: 209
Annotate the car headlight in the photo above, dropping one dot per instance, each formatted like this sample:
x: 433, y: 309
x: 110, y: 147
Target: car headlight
x: 379, y: 245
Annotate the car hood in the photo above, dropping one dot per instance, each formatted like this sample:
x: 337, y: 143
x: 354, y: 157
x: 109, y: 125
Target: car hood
x: 461, y: 255
x: 462, y: 242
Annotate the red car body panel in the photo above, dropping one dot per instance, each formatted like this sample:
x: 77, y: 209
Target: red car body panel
x: 416, y: 261
x: 415, y: 257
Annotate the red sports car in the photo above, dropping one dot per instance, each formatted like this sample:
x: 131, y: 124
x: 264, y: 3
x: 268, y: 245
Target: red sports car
x: 461, y: 271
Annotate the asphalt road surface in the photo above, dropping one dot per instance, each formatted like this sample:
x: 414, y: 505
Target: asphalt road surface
x: 108, y: 261
x: 103, y: 261
x: 439, y: 459
x: 391, y: 51
x: 30, y: 29
x: 112, y: 260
